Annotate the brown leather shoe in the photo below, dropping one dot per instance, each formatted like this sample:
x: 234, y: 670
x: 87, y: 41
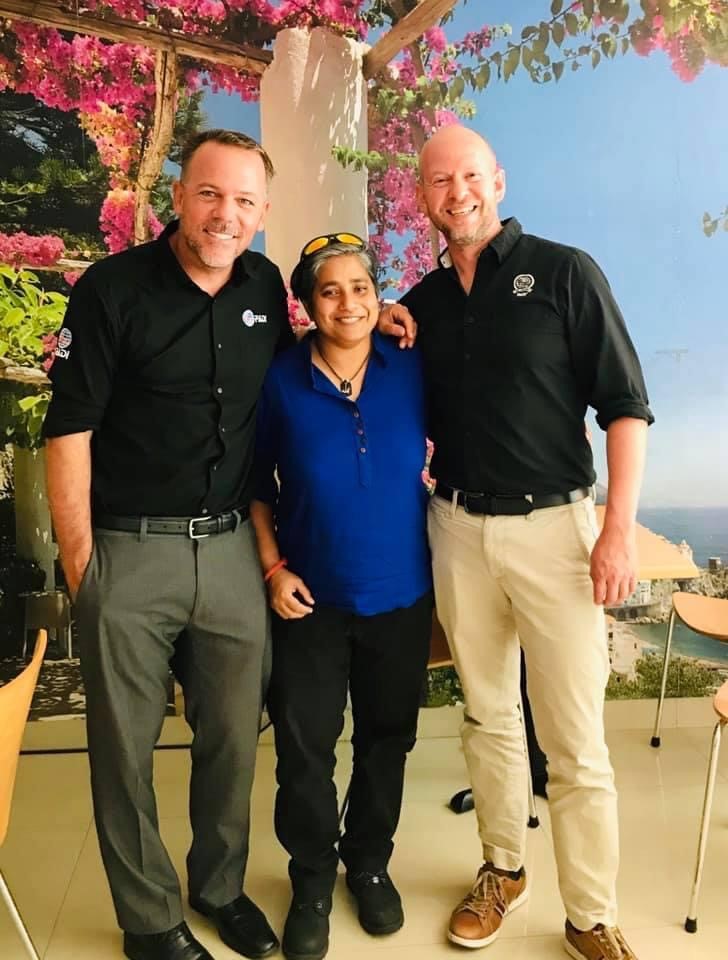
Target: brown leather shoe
x: 599, y: 943
x: 476, y: 921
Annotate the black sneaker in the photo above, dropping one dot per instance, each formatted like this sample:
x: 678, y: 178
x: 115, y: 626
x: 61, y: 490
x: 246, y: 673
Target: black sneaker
x: 306, y: 933
x: 380, y: 906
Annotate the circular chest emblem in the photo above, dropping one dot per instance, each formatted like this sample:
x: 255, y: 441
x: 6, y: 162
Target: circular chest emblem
x: 248, y: 318
x: 64, y: 338
x: 523, y: 284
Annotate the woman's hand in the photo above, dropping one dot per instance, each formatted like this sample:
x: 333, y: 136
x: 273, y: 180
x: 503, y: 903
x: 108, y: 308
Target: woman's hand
x: 282, y: 589
x: 395, y: 320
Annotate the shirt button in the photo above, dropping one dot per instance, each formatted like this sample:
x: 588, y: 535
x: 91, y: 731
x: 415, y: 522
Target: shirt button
x: 356, y: 414
x: 469, y: 320
x: 360, y: 433
x: 467, y: 356
x: 214, y: 466
x: 362, y: 449
x: 222, y: 429
x: 219, y: 346
x: 219, y: 389
x: 205, y: 510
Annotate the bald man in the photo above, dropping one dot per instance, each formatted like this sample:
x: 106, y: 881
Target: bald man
x: 520, y: 336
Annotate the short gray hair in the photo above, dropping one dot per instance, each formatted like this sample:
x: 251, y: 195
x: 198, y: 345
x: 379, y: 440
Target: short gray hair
x: 306, y: 271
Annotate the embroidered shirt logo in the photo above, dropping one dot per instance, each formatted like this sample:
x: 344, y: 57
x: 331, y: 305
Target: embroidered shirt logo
x: 523, y: 284
x: 250, y: 319
x: 64, y: 342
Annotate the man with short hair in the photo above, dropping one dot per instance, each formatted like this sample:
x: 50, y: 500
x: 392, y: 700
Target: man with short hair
x: 150, y: 436
x: 519, y: 336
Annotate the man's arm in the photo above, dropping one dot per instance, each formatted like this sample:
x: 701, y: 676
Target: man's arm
x: 614, y: 558
x: 68, y: 477
x: 395, y: 320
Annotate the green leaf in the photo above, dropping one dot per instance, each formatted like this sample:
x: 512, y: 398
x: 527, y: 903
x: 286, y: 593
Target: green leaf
x: 556, y: 7
x: 558, y: 68
x: 571, y: 22
x: 512, y: 60
x: 457, y: 88
x: 595, y: 57
x: 529, y: 32
x: 483, y: 76
x: 588, y: 8
x: 558, y: 32
x: 27, y: 403
x: 13, y: 317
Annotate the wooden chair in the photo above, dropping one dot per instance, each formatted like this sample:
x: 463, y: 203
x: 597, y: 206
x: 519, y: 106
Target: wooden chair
x: 720, y: 705
x: 15, y: 699
x: 706, y: 615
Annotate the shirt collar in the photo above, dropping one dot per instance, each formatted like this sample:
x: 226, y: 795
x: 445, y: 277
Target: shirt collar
x: 501, y: 244
x: 244, y: 266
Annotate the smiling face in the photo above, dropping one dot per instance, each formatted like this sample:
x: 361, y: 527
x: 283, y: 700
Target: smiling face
x: 221, y: 203
x: 344, y: 306
x: 461, y: 186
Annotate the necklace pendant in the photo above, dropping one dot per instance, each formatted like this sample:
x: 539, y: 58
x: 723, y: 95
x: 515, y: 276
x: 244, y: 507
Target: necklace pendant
x: 345, y: 387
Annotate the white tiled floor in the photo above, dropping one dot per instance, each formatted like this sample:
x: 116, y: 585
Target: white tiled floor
x: 51, y: 861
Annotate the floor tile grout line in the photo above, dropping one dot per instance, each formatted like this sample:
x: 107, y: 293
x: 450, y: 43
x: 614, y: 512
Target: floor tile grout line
x: 68, y: 886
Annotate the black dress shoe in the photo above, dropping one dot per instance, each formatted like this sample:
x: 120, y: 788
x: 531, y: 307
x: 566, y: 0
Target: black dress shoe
x: 306, y: 933
x: 175, y: 944
x: 242, y: 926
x: 380, y: 906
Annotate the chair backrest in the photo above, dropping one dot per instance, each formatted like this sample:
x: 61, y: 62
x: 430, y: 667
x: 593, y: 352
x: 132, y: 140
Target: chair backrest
x: 15, y: 698
x: 720, y: 702
x: 50, y: 609
x: 706, y: 615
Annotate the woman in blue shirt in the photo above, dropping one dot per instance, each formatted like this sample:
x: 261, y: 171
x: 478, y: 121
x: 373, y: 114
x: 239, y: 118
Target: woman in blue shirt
x: 343, y: 545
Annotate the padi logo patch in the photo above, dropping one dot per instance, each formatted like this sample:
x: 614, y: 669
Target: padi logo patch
x: 250, y: 319
x: 64, y: 343
x: 523, y: 284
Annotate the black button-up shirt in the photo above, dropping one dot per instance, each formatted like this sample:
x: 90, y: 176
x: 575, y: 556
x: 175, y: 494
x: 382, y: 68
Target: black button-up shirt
x: 512, y: 367
x: 167, y: 378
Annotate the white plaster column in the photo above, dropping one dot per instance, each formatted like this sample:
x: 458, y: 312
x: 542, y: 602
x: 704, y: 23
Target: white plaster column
x: 313, y: 96
x: 33, y: 536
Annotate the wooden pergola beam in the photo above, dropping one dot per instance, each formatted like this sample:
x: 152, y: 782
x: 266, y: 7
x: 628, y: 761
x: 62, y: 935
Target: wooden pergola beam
x: 53, y: 13
x: 425, y: 15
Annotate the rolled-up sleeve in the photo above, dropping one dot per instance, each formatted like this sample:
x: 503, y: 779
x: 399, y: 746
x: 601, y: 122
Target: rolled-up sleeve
x: 602, y: 352
x: 85, y: 362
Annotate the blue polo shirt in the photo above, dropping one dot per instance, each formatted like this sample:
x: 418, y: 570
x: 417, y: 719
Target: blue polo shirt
x: 350, y: 512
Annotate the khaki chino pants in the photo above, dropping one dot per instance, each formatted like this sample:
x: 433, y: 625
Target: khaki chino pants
x: 500, y: 580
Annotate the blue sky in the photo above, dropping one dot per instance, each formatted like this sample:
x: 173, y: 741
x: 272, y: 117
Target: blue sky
x: 623, y: 161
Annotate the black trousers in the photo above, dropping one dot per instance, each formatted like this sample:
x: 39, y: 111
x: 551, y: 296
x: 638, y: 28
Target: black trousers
x: 536, y: 756
x: 381, y: 660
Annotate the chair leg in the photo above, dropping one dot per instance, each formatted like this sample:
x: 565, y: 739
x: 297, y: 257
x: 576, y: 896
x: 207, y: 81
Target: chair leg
x: 17, y: 919
x: 691, y: 922
x: 532, y: 812
x: 655, y: 741
x: 344, y: 804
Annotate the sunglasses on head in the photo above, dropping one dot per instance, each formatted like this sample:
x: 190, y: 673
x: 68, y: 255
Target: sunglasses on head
x: 318, y: 243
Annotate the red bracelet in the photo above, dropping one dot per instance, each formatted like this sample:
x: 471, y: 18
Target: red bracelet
x: 278, y: 565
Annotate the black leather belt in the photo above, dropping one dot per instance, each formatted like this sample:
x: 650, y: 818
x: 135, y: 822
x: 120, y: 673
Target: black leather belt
x: 509, y: 506
x: 193, y: 527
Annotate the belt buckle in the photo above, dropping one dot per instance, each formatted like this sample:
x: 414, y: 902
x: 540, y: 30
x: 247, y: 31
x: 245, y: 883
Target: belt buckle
x: 191, y: 533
